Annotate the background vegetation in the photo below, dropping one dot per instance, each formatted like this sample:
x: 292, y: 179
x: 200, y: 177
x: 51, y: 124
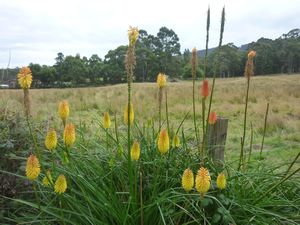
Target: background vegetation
x: 161, y: 53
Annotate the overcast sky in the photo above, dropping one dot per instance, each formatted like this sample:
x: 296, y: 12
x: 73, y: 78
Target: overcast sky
x: 36, y: 30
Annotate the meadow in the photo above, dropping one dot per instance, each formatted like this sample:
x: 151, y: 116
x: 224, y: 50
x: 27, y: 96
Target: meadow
x: 88, y: 105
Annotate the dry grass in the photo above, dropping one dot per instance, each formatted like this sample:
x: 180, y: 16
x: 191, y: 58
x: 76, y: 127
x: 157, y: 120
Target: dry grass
x: 283, y: 93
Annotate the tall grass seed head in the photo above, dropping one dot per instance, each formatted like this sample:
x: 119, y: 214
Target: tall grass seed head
x: 32, y: 167
x: 202, y: 181
x: 25, y: 77
x: 51, y: 140
x: 161, y: 80
x: 131, y: 114
x: 205, y: 89
x: 63, y: 110
x: 187, y: 180
x: 135, y: 151
x: 212, y: 119
x: 176, y: 141
x: 221, y: 181
x: 163, y: 142
x: 133, y: 35
x: 60, y: 185
x: 69, y: 135
x: 47, y: 180
x: 106, y: 120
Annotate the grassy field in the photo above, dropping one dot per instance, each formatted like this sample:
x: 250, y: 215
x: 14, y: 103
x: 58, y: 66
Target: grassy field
x: 88, y: 104
x: 105, y: 187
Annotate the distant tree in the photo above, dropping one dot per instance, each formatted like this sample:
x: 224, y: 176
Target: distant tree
x: 265, y: 53
x: 58, y: 65
x: 47, y: 75
x: 74, y: 70
x: 167, y: 46
x: 186, y: 56
x: 227, y: 61
x: 35, y: 70
x: 114, y: 71
x: 95, y: 67
x: 147, y: 66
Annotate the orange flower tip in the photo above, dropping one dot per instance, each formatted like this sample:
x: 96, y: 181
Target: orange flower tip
x: 212, y: 118
x: 32, y: 167
x: 63, y: 110
x: 106, y: 120
x: 60, y: 185
x: 205, y: 89
x: 135, y: 151
x: 251, y: 54
x: 51, y: 140
x: 187, y: 180
x: 163, y: 142
x: 161, y: 80
x: 25, y: 77
x: 69, y: 135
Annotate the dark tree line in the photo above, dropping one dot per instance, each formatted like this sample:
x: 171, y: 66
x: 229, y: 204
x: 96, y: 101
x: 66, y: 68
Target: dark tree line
x: 161, y: 53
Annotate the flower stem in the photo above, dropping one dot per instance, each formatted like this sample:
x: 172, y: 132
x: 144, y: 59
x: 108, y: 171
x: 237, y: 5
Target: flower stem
x: 167, y: 112
x: 204, y: 132
x: 251, y: 142
x: 245, y: 123
x: 160, y: 95
x: 265, y: 128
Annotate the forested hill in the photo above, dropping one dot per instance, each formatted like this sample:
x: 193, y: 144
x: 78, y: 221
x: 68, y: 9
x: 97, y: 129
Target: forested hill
x: 162, y: 53
x: 281, y: 55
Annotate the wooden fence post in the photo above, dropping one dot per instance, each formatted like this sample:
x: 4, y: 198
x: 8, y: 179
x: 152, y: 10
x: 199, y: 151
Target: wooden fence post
x: 217, y: 134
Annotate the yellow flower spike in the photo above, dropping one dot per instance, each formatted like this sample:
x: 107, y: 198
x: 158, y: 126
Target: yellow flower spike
x: 63, y: 111
x: 51, y: 140
x: 106, y: 120
x: 202, y: 181
x: 60, y: 185
x: 69, y: 135
x: 25, y: 77
x: 32, y: 167
x: 163, y: 142
x: 221, y: 181
x: 161, y: 80
x: 46, y: 181
x: 135, y: 151
x: 131, y: 114
x: 176, y: 141
x: 187, y: 180
x: 133, y: 35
